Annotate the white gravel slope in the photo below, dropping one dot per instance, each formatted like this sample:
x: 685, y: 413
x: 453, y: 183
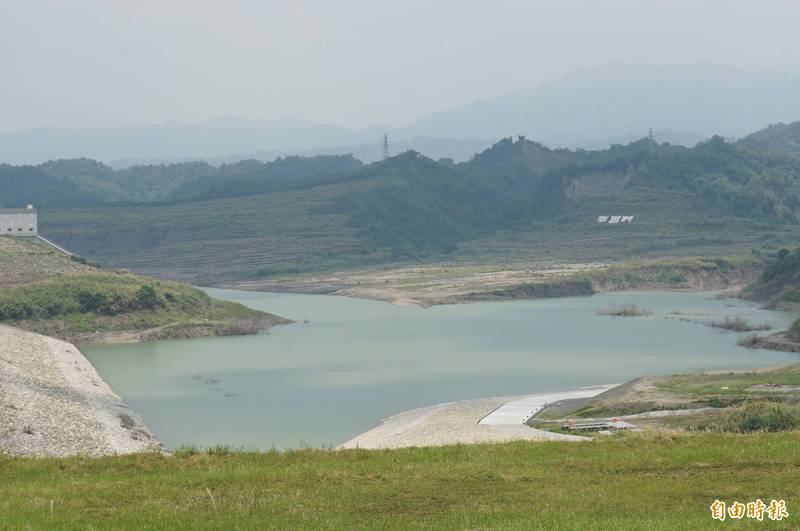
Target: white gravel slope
x: 449, y: 423
x: 53, y: 402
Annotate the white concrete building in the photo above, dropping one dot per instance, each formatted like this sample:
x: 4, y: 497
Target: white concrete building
x: 19, y: 221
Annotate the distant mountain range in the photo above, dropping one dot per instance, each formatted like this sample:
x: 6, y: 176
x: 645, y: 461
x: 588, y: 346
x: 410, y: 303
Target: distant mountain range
x: 591, y: 109
x: 620, y: 102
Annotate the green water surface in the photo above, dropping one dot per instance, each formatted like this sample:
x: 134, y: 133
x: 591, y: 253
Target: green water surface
x: 347, y: 363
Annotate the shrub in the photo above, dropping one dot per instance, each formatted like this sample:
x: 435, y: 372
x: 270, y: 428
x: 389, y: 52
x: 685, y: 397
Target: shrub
x: 750, y: 341
x: 92, y: 300
x: 763, y: 416
x: 146, y: 297
x: 671, y: 277
x: 794, y: 331
x: 84, y: 261
x: 96, y: 293
x: 721, y: 402
x: 738, y: 324
x: 626, y: 310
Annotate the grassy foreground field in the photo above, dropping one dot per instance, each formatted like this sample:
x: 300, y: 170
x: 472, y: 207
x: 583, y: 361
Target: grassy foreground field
x: 632, y: 482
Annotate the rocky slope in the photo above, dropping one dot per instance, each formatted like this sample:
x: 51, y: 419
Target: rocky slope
x: 53, y: 402
x: 24, y: 260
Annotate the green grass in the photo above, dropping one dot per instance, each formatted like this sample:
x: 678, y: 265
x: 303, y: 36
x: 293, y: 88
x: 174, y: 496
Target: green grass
x: 255, y: 236
x: 292, y: 232
x: 70, y: 305
x: 688, y: 391
x: 515, y: 201
x: 619, y: 483
x: 616, y: 410
x: 727, y: 384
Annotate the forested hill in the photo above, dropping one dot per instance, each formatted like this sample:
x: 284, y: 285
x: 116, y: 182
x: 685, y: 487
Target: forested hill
x: 516, y: 199
x: 758, y: 172
x: 86, y: 182
x: 779, y: 284
x: 778, y: 138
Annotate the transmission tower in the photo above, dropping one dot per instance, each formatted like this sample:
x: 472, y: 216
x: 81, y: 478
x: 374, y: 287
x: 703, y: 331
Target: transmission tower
x: 385, y: 146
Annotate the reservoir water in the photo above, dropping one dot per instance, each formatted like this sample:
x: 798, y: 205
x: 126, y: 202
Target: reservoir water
x: 347, y: 363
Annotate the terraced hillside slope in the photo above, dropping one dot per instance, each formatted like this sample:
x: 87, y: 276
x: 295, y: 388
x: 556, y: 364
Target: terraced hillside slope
x: 516, y: 202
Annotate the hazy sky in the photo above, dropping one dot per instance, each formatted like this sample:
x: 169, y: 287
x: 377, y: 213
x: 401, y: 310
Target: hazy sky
x: 93, y: 63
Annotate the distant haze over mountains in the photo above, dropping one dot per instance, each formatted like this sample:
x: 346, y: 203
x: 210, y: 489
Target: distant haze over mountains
x: 594, y: 107
x: 590, y: 109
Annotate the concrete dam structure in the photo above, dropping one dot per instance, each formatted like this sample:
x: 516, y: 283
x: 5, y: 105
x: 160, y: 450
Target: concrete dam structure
x: 19, y: 221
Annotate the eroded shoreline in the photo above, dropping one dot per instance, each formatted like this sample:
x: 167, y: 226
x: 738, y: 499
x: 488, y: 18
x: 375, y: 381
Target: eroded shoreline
x: 442, y: 284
